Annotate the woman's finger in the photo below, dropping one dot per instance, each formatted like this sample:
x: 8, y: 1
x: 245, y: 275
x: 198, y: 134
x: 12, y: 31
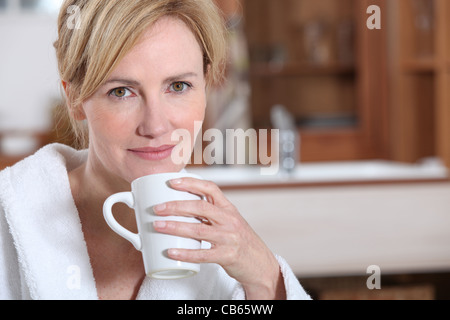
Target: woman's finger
x: 200, y: 209
x: 203, y: 188
x: 193, y: 256
x: 196, y: 231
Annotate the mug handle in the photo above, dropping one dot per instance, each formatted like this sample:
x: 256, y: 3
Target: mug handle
x: 128, y: 199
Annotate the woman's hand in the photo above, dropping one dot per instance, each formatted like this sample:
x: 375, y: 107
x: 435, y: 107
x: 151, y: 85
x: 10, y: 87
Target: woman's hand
x: 234, y: 245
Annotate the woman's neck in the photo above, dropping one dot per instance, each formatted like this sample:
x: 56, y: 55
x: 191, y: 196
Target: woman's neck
x: 90, y: 187
x: 114, y: 260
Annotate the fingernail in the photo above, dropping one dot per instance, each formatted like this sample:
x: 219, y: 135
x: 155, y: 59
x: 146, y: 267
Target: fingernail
x: 159, y: 207
x: 176, y: 181
x: 174, y: 252
x: 160, y: 224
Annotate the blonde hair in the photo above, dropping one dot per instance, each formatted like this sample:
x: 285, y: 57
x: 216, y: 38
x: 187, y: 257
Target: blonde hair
x: 108, y: 29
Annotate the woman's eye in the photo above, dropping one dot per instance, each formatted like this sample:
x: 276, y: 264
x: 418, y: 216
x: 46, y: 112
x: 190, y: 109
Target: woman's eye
x: 121, y: 92
x: 179, y: 87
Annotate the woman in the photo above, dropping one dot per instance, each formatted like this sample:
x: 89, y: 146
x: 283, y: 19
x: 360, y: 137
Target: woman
x: 133, y: 72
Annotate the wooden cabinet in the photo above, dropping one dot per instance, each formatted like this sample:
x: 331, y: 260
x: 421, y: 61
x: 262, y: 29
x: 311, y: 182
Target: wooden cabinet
x: 319, y: 60
x: 420, y: 60
x: 355, y: 93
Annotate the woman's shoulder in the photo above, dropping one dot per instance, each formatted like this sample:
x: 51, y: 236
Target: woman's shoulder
x: 47, y: 166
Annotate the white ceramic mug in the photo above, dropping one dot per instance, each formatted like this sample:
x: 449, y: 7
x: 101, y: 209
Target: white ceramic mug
x: 147, y: 192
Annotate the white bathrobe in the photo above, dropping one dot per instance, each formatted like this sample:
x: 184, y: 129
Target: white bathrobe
x: 43, y: 254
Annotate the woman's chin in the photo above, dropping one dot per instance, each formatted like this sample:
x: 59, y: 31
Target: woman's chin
x: 156, y: 170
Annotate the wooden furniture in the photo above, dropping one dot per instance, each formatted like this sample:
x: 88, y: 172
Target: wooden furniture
x: 8, y: 161
x: 384, y: 94
x: 319, y: 59
x: 420, y: 100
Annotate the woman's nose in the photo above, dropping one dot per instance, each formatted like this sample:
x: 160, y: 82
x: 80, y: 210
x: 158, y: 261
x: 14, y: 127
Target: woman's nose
x: 154, y: 122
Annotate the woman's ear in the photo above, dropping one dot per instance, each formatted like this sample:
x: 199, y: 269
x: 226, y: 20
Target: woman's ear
x: 75, y: 111
x: 78, y: 113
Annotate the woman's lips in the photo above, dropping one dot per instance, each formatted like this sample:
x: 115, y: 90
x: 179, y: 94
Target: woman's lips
x: 153, y: 154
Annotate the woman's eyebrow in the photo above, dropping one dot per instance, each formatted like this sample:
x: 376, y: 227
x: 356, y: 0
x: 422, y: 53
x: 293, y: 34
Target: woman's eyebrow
x: 127, y: 82
x: 180, y: 77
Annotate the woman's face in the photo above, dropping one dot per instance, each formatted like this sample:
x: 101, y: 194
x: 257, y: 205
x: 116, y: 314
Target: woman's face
x: 157, y: 88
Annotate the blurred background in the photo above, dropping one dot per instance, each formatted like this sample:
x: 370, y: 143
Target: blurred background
x: 364, y: 120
